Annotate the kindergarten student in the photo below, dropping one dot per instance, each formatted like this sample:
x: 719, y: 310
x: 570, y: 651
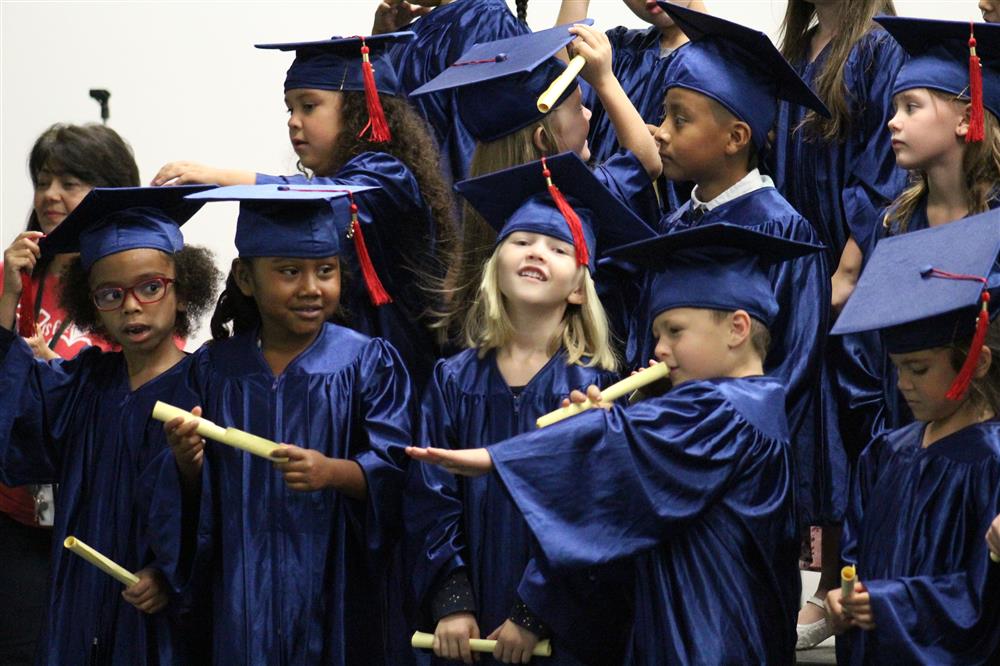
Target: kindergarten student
x: 349, y: 128
x: 694, y: 487
x: 498, y: 85
x: 924, y: 494
x: 295, y: 551
x: 535, y: 332
x: 86, y: 424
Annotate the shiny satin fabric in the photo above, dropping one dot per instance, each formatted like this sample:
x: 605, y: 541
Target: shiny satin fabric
x: 442, y: 37
x: 695, y: 488
x: 397, y: 225
x: 300, y: 577
x: 915, y: 529
x: 78, y: 423
x: 471, y: 524
x: 798, y: 342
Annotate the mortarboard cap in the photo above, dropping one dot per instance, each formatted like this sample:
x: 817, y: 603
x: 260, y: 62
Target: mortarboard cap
x: 945, y: 275
x: 940, y: 60
x: 298, y: 221
x: 521, y: 199
x: 718, y: 266
x: 738, y: 67
x: 347, y: 64
x: 115, y: 219
x: 499, y: 82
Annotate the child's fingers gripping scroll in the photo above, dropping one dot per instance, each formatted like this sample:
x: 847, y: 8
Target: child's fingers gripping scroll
x: 148, y: 595
x: 514, y: 643
x: 305, y: 469
x: 452, y: 634
x: 993, y: 539
x: 469, y: 462
x: 186, y: 444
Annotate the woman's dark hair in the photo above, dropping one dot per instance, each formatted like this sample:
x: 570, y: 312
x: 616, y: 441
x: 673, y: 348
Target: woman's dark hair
x: 522, y: 10
x: 196, y: 283
x: 237, y: 313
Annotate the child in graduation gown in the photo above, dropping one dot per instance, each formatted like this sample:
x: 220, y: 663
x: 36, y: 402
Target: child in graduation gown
x: 442, y: 36
x: 536, y: 332
x: 694, y: 487
x: 294, y: 551
x: 85, y: 423
x: 924, y: 494
x: 722, y: 98
x: 348, y: 129
x: 497, y: 88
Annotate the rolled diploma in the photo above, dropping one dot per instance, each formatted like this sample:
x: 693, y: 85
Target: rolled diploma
x: 113, y: 569
x: 425, y: 641
x: 610, y: 394
x: 995, y: 557
x: 848, y: 577
x: 555, y: 90
x: 231, y: 436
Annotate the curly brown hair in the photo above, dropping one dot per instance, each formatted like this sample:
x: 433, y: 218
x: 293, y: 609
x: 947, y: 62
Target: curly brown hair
x: 196, y: 281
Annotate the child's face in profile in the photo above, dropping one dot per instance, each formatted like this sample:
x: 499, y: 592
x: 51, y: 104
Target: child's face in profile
x: 924, y: 378
x: 691, y: 140
x: 294, y: 296
x: 651, y: 13
x: 539, y: 270
x: 693, y: 342
x: 571, y: 121
x: 989, y: 8
x: 146, y: 311
x: 314, y: 123
x: 926, y: 129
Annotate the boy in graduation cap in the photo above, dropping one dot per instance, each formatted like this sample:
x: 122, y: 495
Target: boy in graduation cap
x: 694, y: 487
x: 85, y: 424
x: 722, y: 99
x: 297, y: 552
x: 924, y: 494
x: 536, y: 332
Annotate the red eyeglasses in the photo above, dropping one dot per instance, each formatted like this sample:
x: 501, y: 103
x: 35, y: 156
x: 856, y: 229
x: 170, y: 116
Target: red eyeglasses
x: 148, y: 291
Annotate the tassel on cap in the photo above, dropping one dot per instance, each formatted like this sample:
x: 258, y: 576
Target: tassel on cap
x: 377, y: 127
x: 964, y: 378
x: 26, y: 316
x: 572, y: 219
x: 376, y: 292
x: 976, y: 117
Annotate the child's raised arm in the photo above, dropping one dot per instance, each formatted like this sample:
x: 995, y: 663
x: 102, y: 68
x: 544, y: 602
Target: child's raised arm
x: 631, y: 129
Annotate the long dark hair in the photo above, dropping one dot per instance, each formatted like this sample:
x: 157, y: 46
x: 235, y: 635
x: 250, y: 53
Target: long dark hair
x: 796, y: 36
x: 522, y: 10
x: 92, y: 153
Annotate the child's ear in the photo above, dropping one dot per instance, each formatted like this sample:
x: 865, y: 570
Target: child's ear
x: 739, y: 137
x: 739, y: 328
x: 579, y: 295
x: 985, y: 362
x: 544, y: 143
x: 242, y: 277
x: 963, y: 125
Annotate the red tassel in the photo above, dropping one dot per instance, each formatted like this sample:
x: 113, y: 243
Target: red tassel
x: 26, y: 316
x: 575, y: 226
x: 977, y: 120
x: 964, y: 378
x: 377, y: 124
x: 376, y: 292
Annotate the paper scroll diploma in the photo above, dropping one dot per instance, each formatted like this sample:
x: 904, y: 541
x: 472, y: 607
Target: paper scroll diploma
x: 848, y: 577
x: 555, y: 90
x: 113, y: 569
x: 425, y: 641
x: 231, y: 436
x: 610, y: 394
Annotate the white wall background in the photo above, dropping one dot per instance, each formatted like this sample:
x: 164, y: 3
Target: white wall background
x: 186, y: 82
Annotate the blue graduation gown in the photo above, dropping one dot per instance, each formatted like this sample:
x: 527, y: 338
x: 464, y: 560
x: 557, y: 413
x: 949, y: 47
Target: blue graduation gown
x: 915, y: 529
x: 77, y: 423
x: 396, y: 224
x: 442, y: 37
x: 842, y: 188
x: 299, y: 578
x: 470, y: 524
x: 798, y: 336
x: 695, y: 487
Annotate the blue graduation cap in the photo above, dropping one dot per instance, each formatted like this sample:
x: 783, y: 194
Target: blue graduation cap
x: 955, y: 57
x: 298, y: 221
x: 947, y: 275
x: 499, y: 82
x: 559, y: 197
x: 115, y: 219
x: 347, y: 64
x: 738, y: 67
x: 718, y: 266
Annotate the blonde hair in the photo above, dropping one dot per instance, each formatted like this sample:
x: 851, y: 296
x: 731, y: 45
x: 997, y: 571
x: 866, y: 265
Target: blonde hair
x: 584, y: 334
x: 980, y: 168
x: 465, y: 264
